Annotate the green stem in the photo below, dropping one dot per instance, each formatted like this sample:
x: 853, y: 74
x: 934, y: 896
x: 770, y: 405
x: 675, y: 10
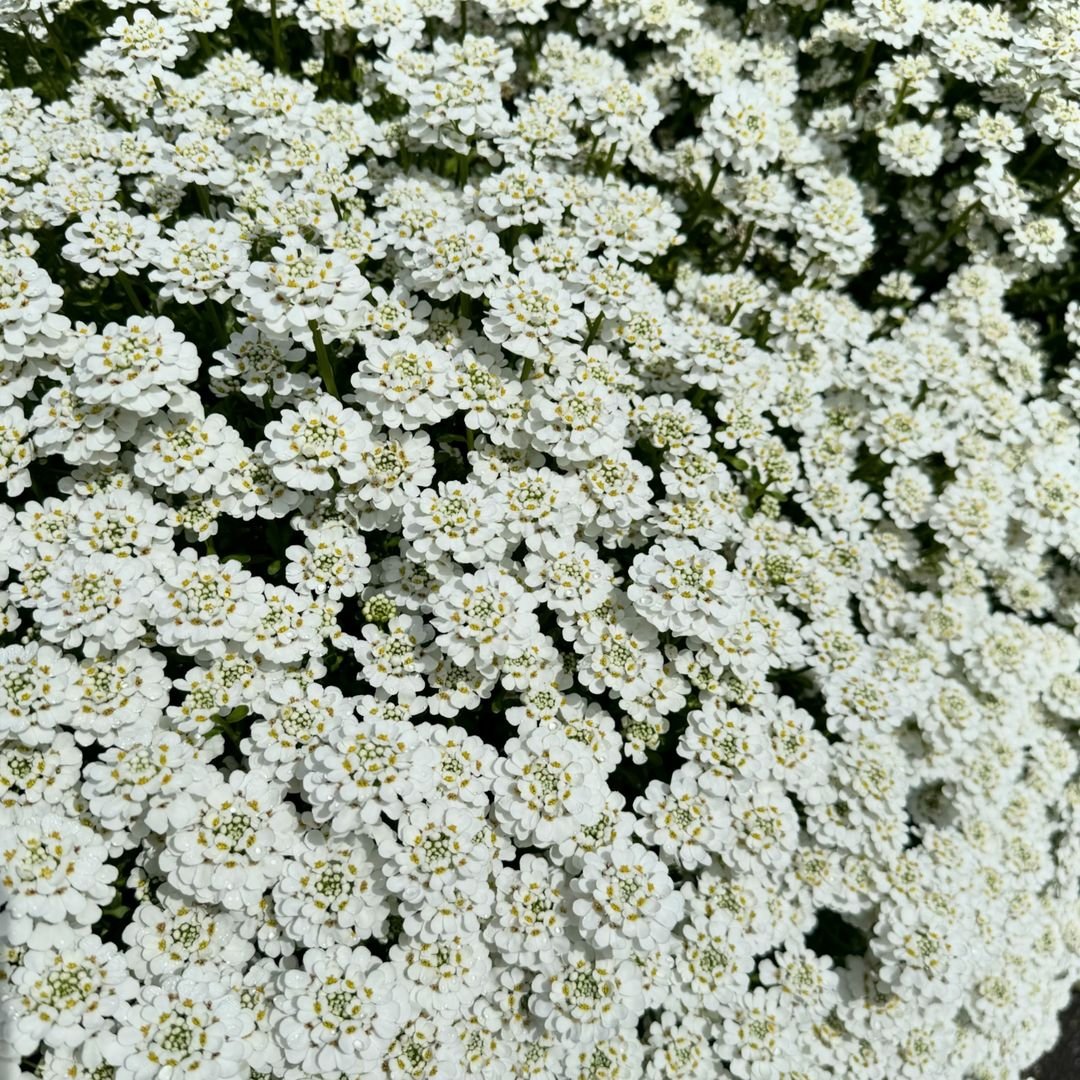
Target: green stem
x: 526, y: 369
x: 609, y: 160
x: 706, y: 194
x: 950, y: 232
x: 1033, y: 160
x: 204, y: 200
x: 901, y: 94
x: 594, y: 329
x: 1056, y: 198
x: 31, y: 48
x: 113, y: 110
x: 55, y: 43
x: 463, y: 19
x: 463, y: 168
x: 744, y: 247
x: 806, y: 269
x: 328, y: 59
x: 322, y: 355
x: 275, y: 37
x: 216, y: 323
x: 15, y: 60
x: 864, y: 66
x: 129, y: 292
x: 530, y: 42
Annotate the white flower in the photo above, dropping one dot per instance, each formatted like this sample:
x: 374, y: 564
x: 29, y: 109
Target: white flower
x: 30, y: 321
x: 586, y: 996
x: 681, y: 820
x: 139, y: 781
x: 436, y: 850
x: 742, y: 126
x: 258, y: 363
x: 298, y: 717
x: 567, y: 575
x: 520, y: 195
x: 712, y: 963
x: 191, y: 1024
x: 94, y: 602
x: 912, y: 149
x: 332, y: 562
x: 578, y: 422
x: 462, y: 520
x: 456, y: 259
x: 119, y: 522
x: 225, y: 845
x: 66, y: 990
x: 1040, y: 240
x: 680, y: 587
x: 37, y: 694
x: 200, y: 260
x: 532, y: 913
x: 537, y: 499
x: 803, y: 976
x: 330, y: 892
x: 923, y: 956
x: 16, y: 451
x: 465, y: 766
x: 614, y: 826
x: 64, y: 424
x: 532, y: 311
x: 614, y: 493
x: 32, y: 774
x: 203, y: 605
x: 396, y: 658
x: 290, y: 625
x: 481, y: 387
x: 303, y: 286
x: 546, y: 787
x: 307, y: 443
x: 145, y: 45
x: 106, y: 241
x: 339, y: 1011
x: 731, y: 745
x: 482, y: 616
x: 764, y: 827
x: 405, y: 383
x: 54, y: 871
x: 390, y: 472
x: 444, y: 977
x: 757, y: 1029
x: 176, y: 936
x: 370, y: 767
x: 421, y: 1043
x: 119, y: 698
x: 185, y: 454
x: 625, y: 900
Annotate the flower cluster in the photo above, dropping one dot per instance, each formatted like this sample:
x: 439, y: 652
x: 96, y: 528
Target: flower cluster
x: 540, y: 538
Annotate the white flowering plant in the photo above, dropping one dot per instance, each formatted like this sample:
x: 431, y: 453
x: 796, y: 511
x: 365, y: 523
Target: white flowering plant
x: 539, y: 538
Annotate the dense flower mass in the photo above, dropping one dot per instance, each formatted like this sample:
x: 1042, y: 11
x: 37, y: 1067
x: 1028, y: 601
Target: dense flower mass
x: 539, y: 538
